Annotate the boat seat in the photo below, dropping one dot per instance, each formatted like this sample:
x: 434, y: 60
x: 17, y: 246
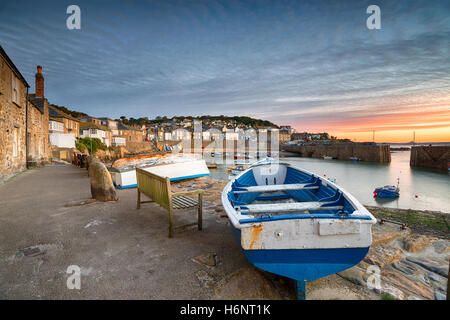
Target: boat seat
x: 275, y: 188
x: 288, y: 207
x: 279, y: 187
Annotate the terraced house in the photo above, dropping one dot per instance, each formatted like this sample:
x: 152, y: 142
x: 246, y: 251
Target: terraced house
x: 93, y: 130
x: 23, y: 120
x: 70, y: 124
x: 131, y: 134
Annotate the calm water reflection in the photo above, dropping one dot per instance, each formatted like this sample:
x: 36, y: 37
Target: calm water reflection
x: 361, y: 178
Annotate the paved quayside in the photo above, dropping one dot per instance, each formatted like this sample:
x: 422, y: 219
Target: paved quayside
x: 47, y: 224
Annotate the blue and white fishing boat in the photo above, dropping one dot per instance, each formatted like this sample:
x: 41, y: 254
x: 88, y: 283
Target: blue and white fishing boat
x: 387, y: 192
x: 296, y: 224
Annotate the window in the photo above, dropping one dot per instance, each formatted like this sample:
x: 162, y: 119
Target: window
x: 15, y: 142
x: 15, y: 89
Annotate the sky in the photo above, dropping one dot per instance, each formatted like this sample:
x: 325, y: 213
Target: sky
x: 313, y: 65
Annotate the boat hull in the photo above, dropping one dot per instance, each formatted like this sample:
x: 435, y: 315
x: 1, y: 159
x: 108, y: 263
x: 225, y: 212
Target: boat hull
x: 390, y: 195
x: 290, y: 222
x: 386, y: 193
x: 123, y: 179
x: 303, y: 264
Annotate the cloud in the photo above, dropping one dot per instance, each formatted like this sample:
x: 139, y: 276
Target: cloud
x: 289, y: 62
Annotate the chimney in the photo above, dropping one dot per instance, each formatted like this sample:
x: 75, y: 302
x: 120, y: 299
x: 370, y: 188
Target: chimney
x: 39, y: 82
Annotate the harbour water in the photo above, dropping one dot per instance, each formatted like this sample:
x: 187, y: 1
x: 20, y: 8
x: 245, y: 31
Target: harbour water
x: 361, y: 178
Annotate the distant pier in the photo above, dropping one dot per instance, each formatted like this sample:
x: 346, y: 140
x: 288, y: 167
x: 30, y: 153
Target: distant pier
x: 436, y: 157
x: 340, y: 151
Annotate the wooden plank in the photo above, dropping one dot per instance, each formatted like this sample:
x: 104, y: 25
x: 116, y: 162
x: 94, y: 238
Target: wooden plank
x: 188, y: 200
x: 183, y: 205
x: 183, y: 201
x: 138, y: 199
x: 277, y: 187
x: 186, y: 193
x: 286, y: 207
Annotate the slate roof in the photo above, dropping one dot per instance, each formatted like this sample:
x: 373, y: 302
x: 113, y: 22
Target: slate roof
x: 91, y: 125
x: 55, y: 113
x: 13, y: 67
x: 38, y: 102
x: 121, y: 126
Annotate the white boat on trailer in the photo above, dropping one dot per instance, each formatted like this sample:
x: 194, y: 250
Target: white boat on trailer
x: 296, y: 224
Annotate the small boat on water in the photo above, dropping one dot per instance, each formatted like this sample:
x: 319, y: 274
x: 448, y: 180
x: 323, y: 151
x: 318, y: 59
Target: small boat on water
x: 354, y: 159
x: 294, y: 223
x: 238, y: 169
x: 327, y: 157
x: 388, y: 191
x: 175, y: 166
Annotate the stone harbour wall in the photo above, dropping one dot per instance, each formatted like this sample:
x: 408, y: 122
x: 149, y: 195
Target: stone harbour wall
x: 376, y: 153
x: 436, y: 157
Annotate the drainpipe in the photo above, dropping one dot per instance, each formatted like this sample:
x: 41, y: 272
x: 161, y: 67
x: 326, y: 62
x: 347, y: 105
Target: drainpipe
x: 26, y: 130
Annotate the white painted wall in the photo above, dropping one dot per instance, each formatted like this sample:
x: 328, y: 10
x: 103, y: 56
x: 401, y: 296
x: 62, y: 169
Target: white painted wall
x: 62, y: 140
x: 167, y: 136
x: 93, y: 133
x: 55, y: 126
x: 119, y: 141
x: 231, y: 135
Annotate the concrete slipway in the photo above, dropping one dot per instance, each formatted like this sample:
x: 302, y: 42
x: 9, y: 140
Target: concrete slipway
x: 125, y: 253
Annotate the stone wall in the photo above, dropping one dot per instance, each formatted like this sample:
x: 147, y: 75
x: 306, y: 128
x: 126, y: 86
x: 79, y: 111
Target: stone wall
x: 12, y: 123
x: 38, y: 134
x: 376, y: 153
x: 65, y: 154
x: 137, y: 147
x: 436, y: 157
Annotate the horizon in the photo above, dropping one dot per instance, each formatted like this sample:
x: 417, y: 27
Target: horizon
x: 314, y: 66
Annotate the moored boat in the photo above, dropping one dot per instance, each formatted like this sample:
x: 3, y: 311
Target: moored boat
x: 238, y: 169
x: 211, y: 165
x: 387, y: 192
x: 296, y: 224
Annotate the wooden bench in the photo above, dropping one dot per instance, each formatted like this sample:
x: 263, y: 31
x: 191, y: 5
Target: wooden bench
x: 157, y: 188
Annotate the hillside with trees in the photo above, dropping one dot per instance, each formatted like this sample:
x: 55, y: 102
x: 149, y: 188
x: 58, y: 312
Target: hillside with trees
x: 238, y: 120
x: 75, y: 114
